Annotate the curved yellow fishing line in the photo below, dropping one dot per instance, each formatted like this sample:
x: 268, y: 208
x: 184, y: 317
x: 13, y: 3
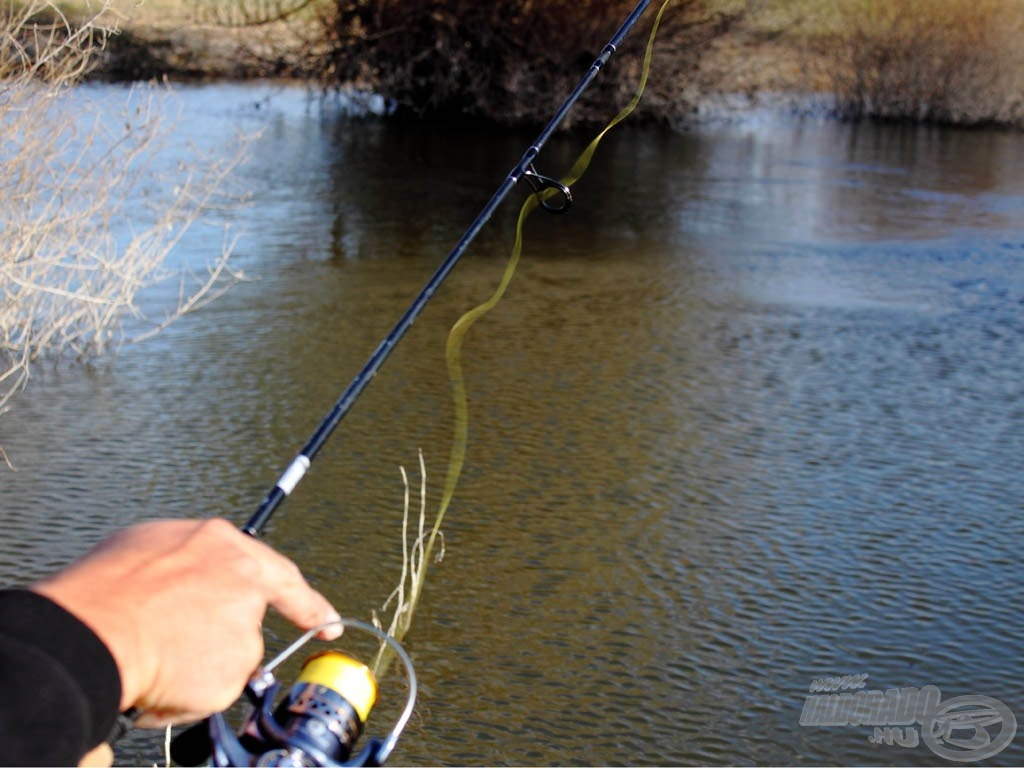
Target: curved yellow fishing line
x: 453, y: 347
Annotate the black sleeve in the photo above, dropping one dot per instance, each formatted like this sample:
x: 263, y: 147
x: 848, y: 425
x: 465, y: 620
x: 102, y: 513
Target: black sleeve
x: 60, y: 685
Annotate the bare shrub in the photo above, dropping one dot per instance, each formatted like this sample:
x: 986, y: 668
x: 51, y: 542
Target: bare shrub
x: 72, y: 259
x: 949, y: 61
x: 508, y: 61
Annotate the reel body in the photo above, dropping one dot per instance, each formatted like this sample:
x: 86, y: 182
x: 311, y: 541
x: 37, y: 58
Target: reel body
x: 316, y: 723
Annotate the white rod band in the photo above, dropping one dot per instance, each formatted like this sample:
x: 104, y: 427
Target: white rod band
x: 293, y: 474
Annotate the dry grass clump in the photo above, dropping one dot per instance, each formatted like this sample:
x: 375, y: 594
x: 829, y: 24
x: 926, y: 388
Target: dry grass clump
x: 72, y: 258
x: 947, y: 61
x: 417, y: 550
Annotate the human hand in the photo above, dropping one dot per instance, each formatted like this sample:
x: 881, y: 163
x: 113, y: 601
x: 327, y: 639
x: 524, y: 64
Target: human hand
x: 179, y: 604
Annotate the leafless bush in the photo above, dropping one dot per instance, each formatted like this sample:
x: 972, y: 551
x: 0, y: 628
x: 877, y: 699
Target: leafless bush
x: 506, y: 61
x: 509, y: 61
x: 73, y: 260
x: 951, y: 61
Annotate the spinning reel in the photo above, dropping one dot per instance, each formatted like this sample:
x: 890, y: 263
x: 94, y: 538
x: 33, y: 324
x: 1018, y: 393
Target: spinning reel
x: 315, y: 724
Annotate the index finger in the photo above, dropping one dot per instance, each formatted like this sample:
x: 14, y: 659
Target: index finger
x: 288, y: 592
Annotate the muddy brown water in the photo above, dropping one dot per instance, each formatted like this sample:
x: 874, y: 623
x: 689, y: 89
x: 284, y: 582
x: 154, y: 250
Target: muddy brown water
x: 751, y: 415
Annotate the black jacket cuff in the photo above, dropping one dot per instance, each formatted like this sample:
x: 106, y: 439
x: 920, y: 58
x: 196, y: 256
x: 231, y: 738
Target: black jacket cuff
x: 61, y: 687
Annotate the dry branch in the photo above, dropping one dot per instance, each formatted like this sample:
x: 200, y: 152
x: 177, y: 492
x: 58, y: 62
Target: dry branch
x: 77, y: 241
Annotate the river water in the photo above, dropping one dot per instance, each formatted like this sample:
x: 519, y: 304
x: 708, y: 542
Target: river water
x: 750, y: 415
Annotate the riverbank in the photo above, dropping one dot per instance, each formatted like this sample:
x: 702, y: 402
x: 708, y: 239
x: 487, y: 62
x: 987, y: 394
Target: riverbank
x: 944, y: 61
x: 739, y: 67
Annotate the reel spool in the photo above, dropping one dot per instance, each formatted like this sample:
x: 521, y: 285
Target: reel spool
x: 315, y: 724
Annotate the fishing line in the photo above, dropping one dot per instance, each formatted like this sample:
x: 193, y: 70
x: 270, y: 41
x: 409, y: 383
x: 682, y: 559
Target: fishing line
x: 457, y: 335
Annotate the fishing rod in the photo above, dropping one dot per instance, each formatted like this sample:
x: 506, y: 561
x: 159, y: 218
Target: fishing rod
x: 544, y: 187
x: 319, y: 719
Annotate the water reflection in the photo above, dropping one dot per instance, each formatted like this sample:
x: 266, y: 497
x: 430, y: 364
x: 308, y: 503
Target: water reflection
x: 750, y: 415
